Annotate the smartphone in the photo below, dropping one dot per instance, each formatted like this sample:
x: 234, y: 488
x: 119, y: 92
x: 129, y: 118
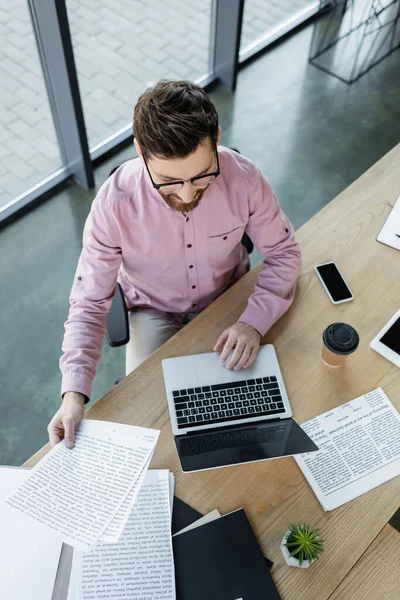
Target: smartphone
x: 334, y: 283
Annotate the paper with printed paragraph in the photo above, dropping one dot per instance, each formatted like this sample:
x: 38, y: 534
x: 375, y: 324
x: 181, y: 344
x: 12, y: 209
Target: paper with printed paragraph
x: 76, y: 493
x: 74, y: 591
x: 359, y: 449
x: 140, y: 565
x: 116, y: 527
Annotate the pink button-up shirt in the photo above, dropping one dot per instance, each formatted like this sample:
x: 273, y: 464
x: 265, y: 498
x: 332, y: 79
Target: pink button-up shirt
x: 171, y: 263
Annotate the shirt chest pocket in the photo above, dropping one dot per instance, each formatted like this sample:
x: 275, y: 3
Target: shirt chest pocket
x: 224, y: 249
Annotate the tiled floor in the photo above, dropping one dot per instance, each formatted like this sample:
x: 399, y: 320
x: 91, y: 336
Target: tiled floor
x: 120, y: 48
x: 310, y: 134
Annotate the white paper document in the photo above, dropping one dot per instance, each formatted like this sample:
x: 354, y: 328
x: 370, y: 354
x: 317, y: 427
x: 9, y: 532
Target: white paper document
x: 75, y: 494
x: 359, y: 449
x: 28, y: 555
x: 390, y: 232
x: 140, y: 565
x: 116, y: 527
x: 74, y: 592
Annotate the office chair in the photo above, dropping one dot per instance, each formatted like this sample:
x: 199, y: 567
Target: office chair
x: 117, y: 319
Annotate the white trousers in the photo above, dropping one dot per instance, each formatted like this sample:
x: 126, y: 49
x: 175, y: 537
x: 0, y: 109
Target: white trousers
x: 147, y: 333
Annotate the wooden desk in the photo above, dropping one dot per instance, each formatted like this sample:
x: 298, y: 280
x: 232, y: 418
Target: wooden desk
x: 376, y: 574
x: 275, y: 493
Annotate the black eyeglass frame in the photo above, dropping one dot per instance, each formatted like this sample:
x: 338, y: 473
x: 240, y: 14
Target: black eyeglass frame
x: 181, y: 182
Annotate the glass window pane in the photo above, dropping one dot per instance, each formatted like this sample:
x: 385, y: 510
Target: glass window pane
x: 123, y: 47
x: 28, y: 144
x: 262, y: 17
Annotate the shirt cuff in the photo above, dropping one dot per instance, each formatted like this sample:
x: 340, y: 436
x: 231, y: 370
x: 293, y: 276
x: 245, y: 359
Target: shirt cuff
x: 258, y: 319
x: 74, y: 381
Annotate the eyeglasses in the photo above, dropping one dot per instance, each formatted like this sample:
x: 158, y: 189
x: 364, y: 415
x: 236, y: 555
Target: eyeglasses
x: 201, y: 181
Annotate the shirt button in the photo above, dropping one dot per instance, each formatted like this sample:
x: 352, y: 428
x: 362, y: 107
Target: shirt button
x: 194, y: 304
x: 287, y: 230
x: 79, y: 278
x: 190, y: 266
x: 193, y: 286
x: 189, y: 245
x: 187, y: 219
x: 225, y: 237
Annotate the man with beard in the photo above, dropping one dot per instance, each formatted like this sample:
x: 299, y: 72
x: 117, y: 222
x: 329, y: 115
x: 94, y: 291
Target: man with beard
x: 168, y: 227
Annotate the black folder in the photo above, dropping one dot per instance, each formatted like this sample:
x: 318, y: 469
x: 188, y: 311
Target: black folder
x: 221, y: 560
x: 183, y: 515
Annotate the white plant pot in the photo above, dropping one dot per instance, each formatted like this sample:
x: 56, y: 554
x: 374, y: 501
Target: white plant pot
x: 291, y: 560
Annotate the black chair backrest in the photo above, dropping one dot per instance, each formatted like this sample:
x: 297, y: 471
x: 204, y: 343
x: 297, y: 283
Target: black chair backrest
x: 117, y: 320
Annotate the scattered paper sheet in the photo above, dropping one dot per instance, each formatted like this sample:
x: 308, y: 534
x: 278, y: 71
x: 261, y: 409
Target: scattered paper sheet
x: 116, y: 527
x: 390, y: 232
x: 359, y: 449
x: 140, y: 565
x: 92, y: 427
x: 76, y: 493
x: 211, y: 516
x: 24, y: 549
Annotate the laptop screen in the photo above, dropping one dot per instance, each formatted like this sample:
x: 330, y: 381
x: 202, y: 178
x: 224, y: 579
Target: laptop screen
x: 242, y: 443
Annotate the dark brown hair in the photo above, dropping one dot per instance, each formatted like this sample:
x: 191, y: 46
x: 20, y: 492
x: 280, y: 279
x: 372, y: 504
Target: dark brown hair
x: 172, y: 118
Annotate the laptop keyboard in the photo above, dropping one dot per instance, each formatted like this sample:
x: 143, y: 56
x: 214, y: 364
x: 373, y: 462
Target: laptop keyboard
x: 228, y: 402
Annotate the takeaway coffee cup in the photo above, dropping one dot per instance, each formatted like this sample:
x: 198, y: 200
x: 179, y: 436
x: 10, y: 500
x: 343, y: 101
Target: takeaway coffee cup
x: 340, y: 340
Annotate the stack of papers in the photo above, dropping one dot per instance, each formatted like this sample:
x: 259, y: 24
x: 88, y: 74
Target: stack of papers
x: 85, y: 495
x: 101, y: 500
x: 115, y: 517
x: 359, y: 449
x: 140, y: 565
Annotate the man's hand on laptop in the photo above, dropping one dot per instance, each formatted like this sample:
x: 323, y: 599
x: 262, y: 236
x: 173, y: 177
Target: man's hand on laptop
x: 62, y: 425
x: 241, y: 341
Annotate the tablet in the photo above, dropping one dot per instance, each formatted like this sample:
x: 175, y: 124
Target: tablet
x: 387, y: 342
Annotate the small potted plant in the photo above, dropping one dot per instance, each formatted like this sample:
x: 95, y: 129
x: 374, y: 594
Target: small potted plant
x: 301, y: 545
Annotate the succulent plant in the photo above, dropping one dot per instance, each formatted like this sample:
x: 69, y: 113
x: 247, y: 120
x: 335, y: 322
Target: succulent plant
x: 304, y: 542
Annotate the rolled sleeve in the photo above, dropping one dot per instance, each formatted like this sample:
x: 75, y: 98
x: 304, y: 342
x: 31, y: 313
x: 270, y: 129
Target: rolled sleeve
x: 273, y: 235
x: 90, y: 300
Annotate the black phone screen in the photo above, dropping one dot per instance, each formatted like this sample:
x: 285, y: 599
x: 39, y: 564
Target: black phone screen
x: 333, y: 280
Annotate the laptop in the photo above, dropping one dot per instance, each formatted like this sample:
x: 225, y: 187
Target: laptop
x: 221, y: 417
